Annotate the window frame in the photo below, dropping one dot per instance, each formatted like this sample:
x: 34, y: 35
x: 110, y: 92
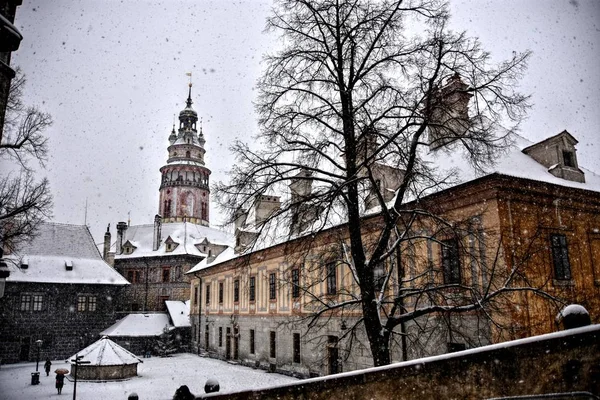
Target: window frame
x: 272, y: 286
x: 561, y: 263
x: 236, y: 291
x: 295, y: 283
x: 32, y: 302
x: 207, y: 300
x: 331, y: 278
x: 450, y: 261
x: 166, y: 273
x: 221, y: 292
x: 252, y: 289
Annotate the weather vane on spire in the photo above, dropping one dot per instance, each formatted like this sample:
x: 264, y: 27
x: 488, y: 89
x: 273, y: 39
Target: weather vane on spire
x: 190, y: 75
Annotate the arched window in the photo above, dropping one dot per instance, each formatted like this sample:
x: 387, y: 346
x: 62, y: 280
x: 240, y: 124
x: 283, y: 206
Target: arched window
x: 187, y: 154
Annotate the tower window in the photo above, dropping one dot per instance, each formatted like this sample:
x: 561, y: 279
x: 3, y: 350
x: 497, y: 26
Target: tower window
x: 187, y: 154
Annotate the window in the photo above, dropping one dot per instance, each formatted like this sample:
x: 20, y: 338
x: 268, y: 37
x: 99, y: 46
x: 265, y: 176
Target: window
x: 25, y: 302
x: 207, y: 294
x: 272, y: 289
x: 92, y: 303
x: 38, y: 302
x: 568, y: 159
x: 236, y: 290
x: 220, y: 336
x: 220, y: 292
x: 252, y: 290
x: 86, y: 303
x: 379, y: 276
x: 560, y: 257
x: 331, y: 278
x: 450, y: 261
x: 296, y: 347
x: 134, y: 276
x: 252, y: 341
x: 196, y: 295
x: 32, y: 302
x: 295, y: 283
x: 166, y: 274
x: 272, y: 342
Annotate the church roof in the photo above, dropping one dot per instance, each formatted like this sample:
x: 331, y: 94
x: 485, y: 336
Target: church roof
x: 105, y: 352
x: 185, y: 234
x: 61, y: 253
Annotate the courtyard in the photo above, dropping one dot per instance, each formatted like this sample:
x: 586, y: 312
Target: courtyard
x: 158, y: 378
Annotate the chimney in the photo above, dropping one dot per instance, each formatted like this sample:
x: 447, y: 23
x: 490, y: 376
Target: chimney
x: 106, y: 248
x: 302, y: 213
x: 157, y: 229
x: 301, y: 185
x: 449, y: 112
x: 121, y: 228
x: 264, y: 206
x: 240, y: 218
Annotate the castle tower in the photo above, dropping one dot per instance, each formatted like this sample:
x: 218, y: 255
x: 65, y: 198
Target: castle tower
x: 184, y: 188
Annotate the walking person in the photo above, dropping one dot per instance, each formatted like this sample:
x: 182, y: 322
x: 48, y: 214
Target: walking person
x: 47, y: 365
x: 60, y: 382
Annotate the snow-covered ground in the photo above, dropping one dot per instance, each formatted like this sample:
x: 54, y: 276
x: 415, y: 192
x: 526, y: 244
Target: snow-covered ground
x: 158, y: 378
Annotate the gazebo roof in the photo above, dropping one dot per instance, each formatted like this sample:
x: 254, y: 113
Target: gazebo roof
x: 106, y: 352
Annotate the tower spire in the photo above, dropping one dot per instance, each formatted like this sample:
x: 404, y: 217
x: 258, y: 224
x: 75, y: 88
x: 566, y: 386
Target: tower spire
x: 189, y: 99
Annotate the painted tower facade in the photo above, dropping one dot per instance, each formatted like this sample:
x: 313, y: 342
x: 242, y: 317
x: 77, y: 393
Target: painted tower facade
x: 184, y: 188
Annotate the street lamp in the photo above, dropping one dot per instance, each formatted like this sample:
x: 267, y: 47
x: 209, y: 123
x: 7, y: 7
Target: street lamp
x: 4, y: 271
x: 39, y: 346
x: 78, y: 361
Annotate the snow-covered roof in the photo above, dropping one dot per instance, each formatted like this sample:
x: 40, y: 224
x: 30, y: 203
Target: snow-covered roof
x: 106, y: 352
x: 514, y: 163
x: 61, y: 253
x: 225, y: 255
x: 452, y: 164
x: 185, y: 234
x: 136, y: 325
x: 179, y: 312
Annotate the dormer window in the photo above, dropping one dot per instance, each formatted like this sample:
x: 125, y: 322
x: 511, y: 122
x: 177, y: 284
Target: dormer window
x: 568, y: 159
x: 170, y: 245
x: 69, y: 265
x: 24, y: 263
x: 558, y: 154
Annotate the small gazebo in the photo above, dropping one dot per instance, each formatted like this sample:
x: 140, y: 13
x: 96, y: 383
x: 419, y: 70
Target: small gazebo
x: 107, y: 361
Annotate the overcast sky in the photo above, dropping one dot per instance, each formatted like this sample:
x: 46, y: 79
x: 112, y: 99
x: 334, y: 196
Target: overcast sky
x: 112, y: 75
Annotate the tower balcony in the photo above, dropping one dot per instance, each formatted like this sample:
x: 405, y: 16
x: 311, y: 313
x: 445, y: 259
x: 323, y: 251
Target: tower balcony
x: 184, y: 182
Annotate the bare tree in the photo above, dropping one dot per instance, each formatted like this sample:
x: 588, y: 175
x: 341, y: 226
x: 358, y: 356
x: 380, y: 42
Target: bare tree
x: 349, y: 107
x: 24, y: 202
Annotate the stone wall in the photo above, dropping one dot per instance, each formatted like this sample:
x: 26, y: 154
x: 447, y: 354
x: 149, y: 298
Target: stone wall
x: 149, y: 293
x: 560, y: 362
x: 62, y: 328
x: 317, y: 346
